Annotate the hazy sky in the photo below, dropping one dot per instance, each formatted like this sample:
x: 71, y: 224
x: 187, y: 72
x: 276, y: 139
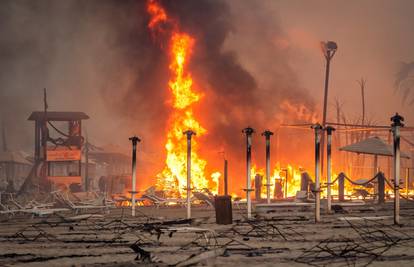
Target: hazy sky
x: 373, y: 37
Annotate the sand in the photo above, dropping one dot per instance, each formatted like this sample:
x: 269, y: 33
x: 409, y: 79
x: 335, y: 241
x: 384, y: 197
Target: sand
x: 284, y: 236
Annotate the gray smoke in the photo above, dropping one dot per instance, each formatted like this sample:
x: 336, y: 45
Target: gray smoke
x: 98, y: 57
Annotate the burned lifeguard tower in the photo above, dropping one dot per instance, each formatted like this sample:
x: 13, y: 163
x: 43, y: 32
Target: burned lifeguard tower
x: 57, y: 153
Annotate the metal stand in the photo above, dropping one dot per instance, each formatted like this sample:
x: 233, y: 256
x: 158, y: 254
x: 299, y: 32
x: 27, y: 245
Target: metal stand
x: 329, y: 131
x: 248, y: 131
x: 317, y: 128
x: 189, y: 133
x: 285, y: 190
x: 267, y: 135
x: 396, y: 124
x: 341, y: 187
x: 226, y: 182
x: 134, y: 141
x: 381, y: 188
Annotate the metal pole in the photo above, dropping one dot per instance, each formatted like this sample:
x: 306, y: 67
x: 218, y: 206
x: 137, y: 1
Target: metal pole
x: 325, y: 105
x: 86, y: 162
x: 325, y: 98
x: 396, y: 124
x: 329, y: 131
x: 248, y: 131
x: 389, y: 158
x: 226, y: 189
x: 134, y: 141
x: 317, y: 128
x: 189, y: 133
x: 381, y: 188
x: 375, y: 172
x: 407, y: 177
x: 258, y: 187
x: 267, y: 135
x: 286, y: 182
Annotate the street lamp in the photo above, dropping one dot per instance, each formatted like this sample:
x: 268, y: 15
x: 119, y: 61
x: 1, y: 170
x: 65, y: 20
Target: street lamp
x: 329, y: 49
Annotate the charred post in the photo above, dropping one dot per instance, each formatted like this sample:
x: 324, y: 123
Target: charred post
x: 278, y: 193
x: 134, y: 141
x: 285, y: 190
x: 226, y: 182
x: 304, y: 182
x: 407, y: 182
x: 396, y: 125
x: 317, y: 128
x: 258, y: 186
x: 381, y: 188
x: 249, y: 132
x: 87, y: 182
x: 341, y: 187
x: 375, y: 172
x: 189, y: 133
x: 329, y: 131
x: 267, y: 135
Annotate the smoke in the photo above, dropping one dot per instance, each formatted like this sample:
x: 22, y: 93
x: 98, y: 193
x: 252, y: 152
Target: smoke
x: 99, y: 57
x: 254, y: 86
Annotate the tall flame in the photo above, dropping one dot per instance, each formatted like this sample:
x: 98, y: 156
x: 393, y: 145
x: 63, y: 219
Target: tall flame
x: 173, y: 179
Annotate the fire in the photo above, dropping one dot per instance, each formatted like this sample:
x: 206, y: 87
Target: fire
x: 157, y: 14
x: 215, y: 176
x: 173, y: 179
x: 278, y: 175
x: 181, y: 86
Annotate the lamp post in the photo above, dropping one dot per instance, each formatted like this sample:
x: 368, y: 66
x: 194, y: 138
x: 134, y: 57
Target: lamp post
x: 329, y: 49
x: 189, y: 133
x: 396, y: 125
x: 134, y: 141
x: 249, y: 132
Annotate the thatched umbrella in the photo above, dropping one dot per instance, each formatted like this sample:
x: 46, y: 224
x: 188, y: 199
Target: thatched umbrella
x: 373, y: 146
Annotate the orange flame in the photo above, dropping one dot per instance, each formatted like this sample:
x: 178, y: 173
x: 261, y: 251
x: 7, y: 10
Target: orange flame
x: 157, y: 14
x: 173, y: 179
x: 181, y: 46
